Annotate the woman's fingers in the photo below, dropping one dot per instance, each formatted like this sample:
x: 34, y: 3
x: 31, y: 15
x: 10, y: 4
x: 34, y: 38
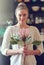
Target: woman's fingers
x: 21, y: 50
x: 25, y: 50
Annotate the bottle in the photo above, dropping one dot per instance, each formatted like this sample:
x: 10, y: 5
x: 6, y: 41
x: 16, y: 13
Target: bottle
x: 36, y: 20
x: 40, y: 20
x: 32, y: 18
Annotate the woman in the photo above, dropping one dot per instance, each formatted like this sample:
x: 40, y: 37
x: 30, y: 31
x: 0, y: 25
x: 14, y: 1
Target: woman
x: 18, y: 52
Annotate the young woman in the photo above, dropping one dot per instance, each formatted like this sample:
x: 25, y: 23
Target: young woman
x: 21, y: 28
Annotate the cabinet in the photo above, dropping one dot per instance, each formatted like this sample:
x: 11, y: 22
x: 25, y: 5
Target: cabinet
x: 33, y: 14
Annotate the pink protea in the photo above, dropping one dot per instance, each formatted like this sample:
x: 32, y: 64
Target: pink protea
x: 27, y: 32
x: 24, y: 32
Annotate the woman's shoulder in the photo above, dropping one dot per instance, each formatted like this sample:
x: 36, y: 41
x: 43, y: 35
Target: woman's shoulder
x: 11, y: 27
x: 33, y: 27
x: 14, y: 26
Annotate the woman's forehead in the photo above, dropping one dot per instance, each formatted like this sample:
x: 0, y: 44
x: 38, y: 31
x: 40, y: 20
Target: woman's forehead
x: 22, y: 11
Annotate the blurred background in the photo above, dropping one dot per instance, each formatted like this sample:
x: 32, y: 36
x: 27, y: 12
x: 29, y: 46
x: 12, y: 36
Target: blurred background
x: 7, y: 18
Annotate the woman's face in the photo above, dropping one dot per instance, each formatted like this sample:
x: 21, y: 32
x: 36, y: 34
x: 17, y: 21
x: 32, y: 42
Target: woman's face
x: 22, y: 15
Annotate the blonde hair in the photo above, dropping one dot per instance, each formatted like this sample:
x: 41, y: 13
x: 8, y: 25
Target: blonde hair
x: 21, y: 6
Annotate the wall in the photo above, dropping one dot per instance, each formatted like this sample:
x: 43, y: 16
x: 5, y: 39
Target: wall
x: 6, y: 13
x: 6, y: 10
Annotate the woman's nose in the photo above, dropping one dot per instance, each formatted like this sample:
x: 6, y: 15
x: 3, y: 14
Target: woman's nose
x: 22, y: 17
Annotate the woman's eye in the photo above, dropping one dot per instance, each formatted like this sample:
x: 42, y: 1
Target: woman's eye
x: 24, y: 15
x: 19, y: 14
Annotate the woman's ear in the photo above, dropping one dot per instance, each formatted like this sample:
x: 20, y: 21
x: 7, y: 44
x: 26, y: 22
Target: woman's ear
x: 16, y: 14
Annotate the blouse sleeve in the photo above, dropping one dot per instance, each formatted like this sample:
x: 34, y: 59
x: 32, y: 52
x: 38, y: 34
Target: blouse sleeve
x: 6, y: 41
x: 38, y: 38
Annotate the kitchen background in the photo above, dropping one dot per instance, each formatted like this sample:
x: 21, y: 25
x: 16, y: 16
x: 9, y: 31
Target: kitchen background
x: 7, y: 17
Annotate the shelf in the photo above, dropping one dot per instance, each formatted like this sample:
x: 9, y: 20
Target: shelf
x: 38, y: 13
x: 39, y: 26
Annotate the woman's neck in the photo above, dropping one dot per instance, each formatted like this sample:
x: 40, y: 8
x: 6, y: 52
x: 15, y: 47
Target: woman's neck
x: 22, y: 25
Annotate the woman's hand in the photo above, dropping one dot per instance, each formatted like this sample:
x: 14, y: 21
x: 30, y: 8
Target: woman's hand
x: 20, y: 51
x: 26, y: 51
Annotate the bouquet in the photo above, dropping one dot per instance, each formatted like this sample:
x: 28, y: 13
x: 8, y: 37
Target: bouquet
x: 23, y: 35
x: 14, y: 39
x: 20, y: 36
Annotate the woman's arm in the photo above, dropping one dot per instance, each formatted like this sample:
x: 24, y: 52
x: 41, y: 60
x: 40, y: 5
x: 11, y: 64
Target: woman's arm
x: 14, y: 52
x: 37, y: 37
x: 31, y: 52
x: 6, y: 44
x: 34, y: 52
x: 39, y: 49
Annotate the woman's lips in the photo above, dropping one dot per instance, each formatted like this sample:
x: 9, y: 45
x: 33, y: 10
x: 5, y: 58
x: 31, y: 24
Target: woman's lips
x: 22, y: 20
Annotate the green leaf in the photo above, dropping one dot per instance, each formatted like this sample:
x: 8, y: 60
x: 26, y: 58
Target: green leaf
x: 36, y: 42
x: 28, y: 39
x: 14, y: 40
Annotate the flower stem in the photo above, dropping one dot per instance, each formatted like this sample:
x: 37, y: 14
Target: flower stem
x: 24, y: 55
